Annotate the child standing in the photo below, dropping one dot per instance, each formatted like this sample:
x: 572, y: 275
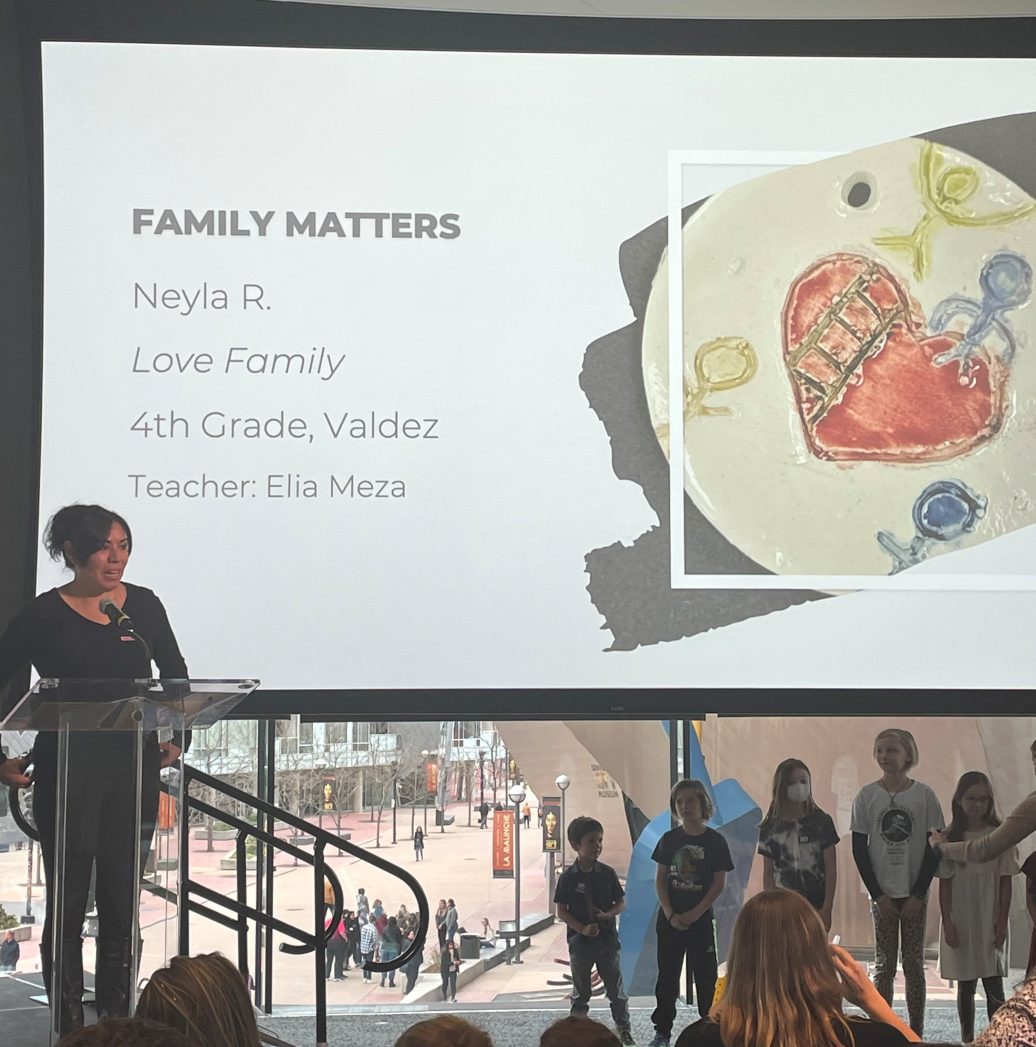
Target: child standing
x: 890, y: 823
x: 692, y: 865
x: 588, y: 898
x: 975, y: 900
x: 797, y: 841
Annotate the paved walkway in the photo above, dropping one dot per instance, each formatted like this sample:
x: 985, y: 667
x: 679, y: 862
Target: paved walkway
x: 522, y: 1025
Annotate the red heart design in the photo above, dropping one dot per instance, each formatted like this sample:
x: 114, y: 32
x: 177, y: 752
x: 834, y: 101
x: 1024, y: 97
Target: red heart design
x: 863, y: 376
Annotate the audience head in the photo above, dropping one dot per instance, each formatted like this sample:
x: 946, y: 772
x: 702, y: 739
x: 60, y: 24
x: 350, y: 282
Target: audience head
x: 125, y: 1032
x: 904, y: 739
x: 574, y: 1031
x: 581, y: 826
x: 796, y: 1000
x: 204, y: 997
x: 444, y: 1031
x: 451, y: 903
x: 693, y: 787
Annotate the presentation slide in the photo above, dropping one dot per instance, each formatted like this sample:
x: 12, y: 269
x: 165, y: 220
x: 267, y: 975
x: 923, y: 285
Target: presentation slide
x: 471, y: 370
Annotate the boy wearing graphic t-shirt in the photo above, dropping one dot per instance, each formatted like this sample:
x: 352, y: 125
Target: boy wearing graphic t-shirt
x: 588, y: 898
x: 693, y: 861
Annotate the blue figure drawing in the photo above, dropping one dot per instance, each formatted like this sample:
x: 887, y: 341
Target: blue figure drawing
x: 1006, y: 283
x: 737, y: 818
x: 944, y: 511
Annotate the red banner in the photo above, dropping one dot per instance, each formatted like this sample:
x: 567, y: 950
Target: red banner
x: 503, y: 845
x: 431, y: 777
x: 166, y: 811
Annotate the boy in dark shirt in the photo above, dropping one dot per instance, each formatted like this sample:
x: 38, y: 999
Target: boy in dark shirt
x: 693, y: 861
x: 588, y: 898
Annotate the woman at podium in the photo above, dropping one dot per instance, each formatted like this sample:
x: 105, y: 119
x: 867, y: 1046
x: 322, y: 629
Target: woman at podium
x: 95, y: 626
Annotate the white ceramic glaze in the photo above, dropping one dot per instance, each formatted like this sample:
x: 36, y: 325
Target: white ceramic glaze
x: 752, y: 473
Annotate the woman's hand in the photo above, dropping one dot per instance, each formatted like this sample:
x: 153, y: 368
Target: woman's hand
x: 951, y: 934
x: 170, y: 752
x: 857, y: 988
x: 12, y: 772
x: 936, y: 838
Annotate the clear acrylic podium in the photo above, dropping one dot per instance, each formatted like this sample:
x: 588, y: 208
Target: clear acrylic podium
x: 109, y: 828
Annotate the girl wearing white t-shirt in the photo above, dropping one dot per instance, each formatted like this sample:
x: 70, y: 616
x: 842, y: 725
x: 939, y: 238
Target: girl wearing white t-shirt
x: 891, y: 820
x: 975, y: 900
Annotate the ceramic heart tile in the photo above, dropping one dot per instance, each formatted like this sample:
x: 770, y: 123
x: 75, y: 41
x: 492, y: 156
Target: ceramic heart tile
x: 851, y: 413
x: 863, y: 373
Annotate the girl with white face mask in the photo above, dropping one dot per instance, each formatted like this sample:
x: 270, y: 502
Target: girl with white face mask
x: 797, y: 841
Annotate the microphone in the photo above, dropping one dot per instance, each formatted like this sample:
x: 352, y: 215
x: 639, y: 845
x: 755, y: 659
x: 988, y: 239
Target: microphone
x: 118, y: 617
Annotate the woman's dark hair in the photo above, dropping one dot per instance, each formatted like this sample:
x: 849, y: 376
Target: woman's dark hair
x: 85, y: 528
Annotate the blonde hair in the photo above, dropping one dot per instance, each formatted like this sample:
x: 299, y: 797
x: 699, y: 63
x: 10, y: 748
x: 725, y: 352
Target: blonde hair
x: 692, y: 785
x: 204, y: 997
x: 786, y: 1004
x: 906, y: 739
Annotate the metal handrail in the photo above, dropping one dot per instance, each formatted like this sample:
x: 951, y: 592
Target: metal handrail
x: 238, y: 912
x: 316, y: 941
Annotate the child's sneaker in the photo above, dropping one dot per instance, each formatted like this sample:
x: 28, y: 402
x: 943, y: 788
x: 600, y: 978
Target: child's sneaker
x: 626, y: 1037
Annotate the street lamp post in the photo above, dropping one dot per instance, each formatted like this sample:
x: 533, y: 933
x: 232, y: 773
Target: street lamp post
x: 320, y: 765
x: 563, y: 782
x: 424, y: 758
x: 517, y: 795
x: 28, y: 917
x: 481, y: 786
x: 413, y: 805
x: 395, y: 797
x: 440, y: 791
